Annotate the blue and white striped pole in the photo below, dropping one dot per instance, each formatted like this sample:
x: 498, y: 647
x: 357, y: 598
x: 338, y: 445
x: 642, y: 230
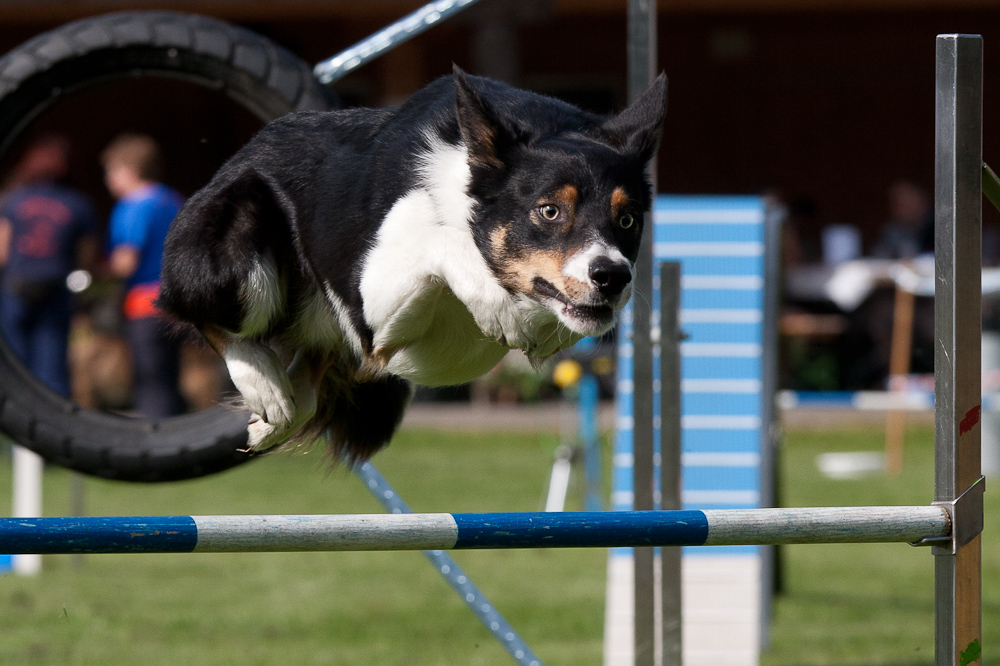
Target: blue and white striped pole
x: 335, y: 68
x: 447, y: 531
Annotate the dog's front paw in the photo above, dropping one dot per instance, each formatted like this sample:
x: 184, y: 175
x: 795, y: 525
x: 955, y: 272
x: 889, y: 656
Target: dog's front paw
x: 299, y: 396
x: 271, y: 401
x: 263, y: 435
x: 264, y: 385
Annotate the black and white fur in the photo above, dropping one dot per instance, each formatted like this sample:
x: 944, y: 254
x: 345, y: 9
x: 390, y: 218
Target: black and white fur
x: 342, y: 255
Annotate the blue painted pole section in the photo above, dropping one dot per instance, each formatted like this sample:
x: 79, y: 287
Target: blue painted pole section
x: 155, y: 534
x: 581, y: 529
x: 449, y: 569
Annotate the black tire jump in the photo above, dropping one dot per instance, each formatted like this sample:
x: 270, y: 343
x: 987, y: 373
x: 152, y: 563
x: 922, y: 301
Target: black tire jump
x: 265, y: 79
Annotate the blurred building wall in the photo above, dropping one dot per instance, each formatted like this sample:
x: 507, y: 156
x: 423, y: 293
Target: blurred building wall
x: 823, y: 100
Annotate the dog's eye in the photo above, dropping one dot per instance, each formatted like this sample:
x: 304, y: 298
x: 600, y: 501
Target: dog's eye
x: 626, y: 221
x: 549, y: 212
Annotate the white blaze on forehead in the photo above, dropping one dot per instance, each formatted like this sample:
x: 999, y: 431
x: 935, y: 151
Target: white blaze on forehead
x: 577, y: 267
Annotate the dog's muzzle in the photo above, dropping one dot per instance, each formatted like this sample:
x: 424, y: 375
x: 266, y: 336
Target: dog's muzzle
x: 610, y: 277
x: 595, y: 315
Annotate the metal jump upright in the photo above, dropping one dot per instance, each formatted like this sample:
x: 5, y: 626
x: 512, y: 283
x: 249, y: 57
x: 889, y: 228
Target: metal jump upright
x: 642, y: 58
x: 958, y: 482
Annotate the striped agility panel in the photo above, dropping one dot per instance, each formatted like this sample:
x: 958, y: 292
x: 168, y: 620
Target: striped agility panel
x: 719, y: 242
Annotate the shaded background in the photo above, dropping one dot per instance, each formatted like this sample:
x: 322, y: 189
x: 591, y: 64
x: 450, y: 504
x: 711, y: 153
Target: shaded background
x: 823, y: 102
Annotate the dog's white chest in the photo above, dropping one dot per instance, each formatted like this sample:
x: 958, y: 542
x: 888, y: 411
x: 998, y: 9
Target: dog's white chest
x: 419, y: 280
x: 439, y: 314
x: 450, y: 350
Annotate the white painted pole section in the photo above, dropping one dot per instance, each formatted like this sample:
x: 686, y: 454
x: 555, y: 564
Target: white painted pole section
x: 427, y: 531
x: 558, y: 484
x: 619, y: 611
x: 27, y: 501
x: 872, y: 524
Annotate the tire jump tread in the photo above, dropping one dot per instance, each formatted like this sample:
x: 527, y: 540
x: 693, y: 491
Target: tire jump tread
x: 261, y: 76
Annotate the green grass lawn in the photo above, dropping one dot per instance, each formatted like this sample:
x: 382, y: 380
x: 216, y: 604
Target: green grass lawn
x: 311, y: 608
x: 845, y: 604
x: 867, y: 603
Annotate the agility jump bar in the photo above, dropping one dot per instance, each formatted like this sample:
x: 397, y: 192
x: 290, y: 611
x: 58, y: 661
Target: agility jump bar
x: 446, y: 531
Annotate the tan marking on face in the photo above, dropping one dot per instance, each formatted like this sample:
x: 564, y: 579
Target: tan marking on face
x: 619, y: 202
x: 498, y: 241
x: 502, y: 259
x: 568, y: 196
x: 521, y: 271
x: 576, y: 290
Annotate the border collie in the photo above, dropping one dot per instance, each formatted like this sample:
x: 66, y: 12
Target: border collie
x: 340, y: 256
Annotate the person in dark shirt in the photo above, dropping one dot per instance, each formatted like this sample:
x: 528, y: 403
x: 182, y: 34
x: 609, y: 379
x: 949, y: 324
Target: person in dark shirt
x: 909, y: 231
x: 137, y: 229
x: 47, y: 230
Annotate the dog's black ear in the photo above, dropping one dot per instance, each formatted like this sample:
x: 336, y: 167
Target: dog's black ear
x: 481, y: 131
x: 640, y: 126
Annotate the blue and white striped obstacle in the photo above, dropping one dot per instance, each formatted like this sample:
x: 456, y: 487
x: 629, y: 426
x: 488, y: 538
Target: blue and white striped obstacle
x: 447, y: 531
x: 720, y: 243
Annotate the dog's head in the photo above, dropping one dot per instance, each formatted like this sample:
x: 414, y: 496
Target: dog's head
x: 561, y: 196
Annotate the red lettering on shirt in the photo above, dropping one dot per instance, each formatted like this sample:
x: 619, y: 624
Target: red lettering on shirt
x: 43, y: 218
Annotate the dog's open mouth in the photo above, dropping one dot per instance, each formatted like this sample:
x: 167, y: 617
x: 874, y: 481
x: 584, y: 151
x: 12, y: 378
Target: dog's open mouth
x: 586, y: 316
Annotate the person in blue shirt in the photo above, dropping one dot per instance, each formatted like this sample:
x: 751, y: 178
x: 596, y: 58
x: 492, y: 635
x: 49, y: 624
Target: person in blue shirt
x: 46, y: 231
x: 133, y: 169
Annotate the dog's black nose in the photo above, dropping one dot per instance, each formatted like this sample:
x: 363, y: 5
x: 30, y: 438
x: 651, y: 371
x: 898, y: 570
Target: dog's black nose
x: 610, y: 277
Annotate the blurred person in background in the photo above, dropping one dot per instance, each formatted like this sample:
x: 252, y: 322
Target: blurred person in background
x: 909, y: 231
x: 47, y: 230
x: 907, y: 234
x: 133, y: 169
